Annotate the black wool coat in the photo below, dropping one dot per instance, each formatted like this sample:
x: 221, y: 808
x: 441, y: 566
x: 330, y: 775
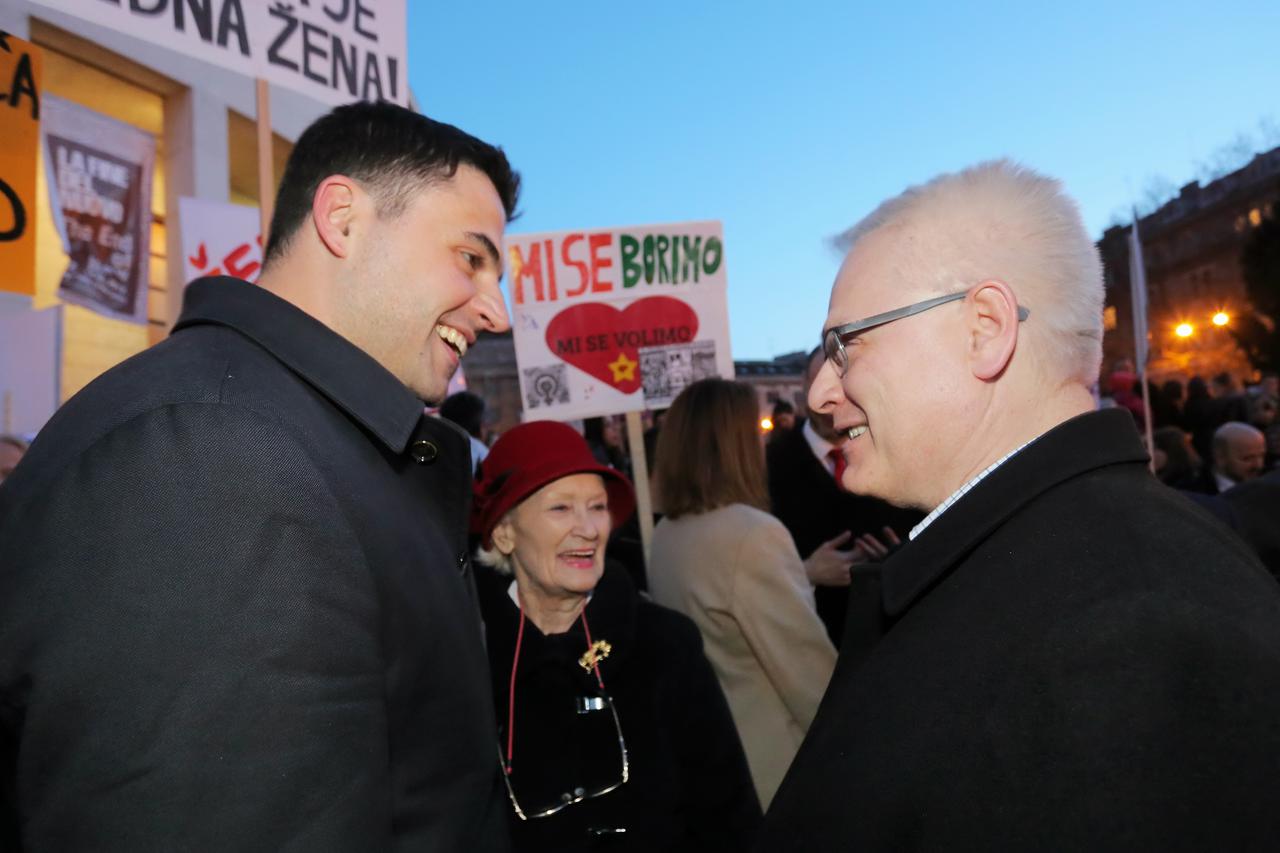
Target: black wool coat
x: 1075, y: 658
x: 232, y: 615
x: 814, y: 509
x: 1255, y: 515
x: 689, y: 787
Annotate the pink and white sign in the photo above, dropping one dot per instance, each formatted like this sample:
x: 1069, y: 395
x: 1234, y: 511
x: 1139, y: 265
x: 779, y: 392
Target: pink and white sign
x: 220, y: 239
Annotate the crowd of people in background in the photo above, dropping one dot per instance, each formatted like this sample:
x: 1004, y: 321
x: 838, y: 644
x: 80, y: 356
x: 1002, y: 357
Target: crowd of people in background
x: 1208, y: 435
x: 1217, y: 441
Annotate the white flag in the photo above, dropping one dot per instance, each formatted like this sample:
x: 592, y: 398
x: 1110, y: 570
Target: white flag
x: 1138, y: 292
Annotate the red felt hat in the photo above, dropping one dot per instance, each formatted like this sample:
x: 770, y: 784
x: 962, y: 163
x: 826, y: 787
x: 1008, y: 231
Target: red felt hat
x: 529, y: 456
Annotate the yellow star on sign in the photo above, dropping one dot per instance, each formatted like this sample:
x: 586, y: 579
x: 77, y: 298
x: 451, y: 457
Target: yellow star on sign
x: 623, y: 368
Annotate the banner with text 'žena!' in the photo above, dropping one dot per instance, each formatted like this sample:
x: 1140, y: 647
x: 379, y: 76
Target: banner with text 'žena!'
x: 619, y: 319
x: 335, y: 51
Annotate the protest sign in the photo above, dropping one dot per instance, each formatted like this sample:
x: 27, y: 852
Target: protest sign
x: 220, y: 239
x: 335, y: 51
x: 100, y: 192
x: 617, y: 320
x: 21, y: 64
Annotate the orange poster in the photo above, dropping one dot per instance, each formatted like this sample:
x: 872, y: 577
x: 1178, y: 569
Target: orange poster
x: 20, y: 67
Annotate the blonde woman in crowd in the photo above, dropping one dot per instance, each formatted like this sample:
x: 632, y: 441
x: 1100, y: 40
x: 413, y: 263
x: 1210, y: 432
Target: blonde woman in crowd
x: 720, y: 558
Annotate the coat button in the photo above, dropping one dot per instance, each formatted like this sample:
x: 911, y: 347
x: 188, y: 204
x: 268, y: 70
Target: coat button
x: 424, y: 451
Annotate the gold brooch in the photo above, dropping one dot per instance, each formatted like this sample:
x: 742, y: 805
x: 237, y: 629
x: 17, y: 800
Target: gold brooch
x: 598, y: 651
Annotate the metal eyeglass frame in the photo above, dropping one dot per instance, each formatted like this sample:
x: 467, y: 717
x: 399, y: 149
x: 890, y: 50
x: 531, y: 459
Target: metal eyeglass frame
x: 833, y: 339
x: 569, y: 799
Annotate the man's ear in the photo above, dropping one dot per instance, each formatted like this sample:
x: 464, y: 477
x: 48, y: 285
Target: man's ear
x: 333, y: 208
x: 993, y: 332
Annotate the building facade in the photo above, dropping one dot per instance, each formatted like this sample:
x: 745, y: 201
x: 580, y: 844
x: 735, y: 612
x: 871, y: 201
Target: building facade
x: 781, y: 378
x: 1191, y: 248
x: 202, y: 118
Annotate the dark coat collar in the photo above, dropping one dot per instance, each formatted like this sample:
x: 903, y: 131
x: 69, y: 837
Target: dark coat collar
x: 351, y: 379
x: 611, y: 614
x: 1084, y: 443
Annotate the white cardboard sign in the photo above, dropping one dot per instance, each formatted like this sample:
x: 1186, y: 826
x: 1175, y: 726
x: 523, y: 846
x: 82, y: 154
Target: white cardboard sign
x: 619, y: 319
x: 220, y: 239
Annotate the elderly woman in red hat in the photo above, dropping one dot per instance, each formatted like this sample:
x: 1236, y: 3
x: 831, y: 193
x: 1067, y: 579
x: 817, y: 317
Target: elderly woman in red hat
x: 613, y: 732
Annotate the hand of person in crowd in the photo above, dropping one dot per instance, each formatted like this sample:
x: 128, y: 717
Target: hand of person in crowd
x: 873, y: 549
x: 829, y: 565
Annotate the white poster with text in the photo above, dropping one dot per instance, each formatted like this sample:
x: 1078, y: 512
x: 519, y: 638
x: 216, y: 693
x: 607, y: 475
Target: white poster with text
x: 219, y: 238
x: 617, y: 320
x: 336, y: 51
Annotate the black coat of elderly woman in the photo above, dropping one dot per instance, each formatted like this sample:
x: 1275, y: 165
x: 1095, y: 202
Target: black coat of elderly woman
x: 613, y: 733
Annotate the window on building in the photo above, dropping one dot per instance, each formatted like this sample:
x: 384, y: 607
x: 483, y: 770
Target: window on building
x: 95, y: 78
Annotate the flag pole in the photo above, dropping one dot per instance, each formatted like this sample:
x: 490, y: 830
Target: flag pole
x: 640, y: 474
x: 1146, y: 415
x: 1141, y: 352
x: 266, y: 164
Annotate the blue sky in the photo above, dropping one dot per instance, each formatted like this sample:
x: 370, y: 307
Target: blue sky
x: 789, y: 122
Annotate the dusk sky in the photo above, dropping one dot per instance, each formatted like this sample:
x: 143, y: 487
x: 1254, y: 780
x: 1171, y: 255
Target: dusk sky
x: 791, y: 123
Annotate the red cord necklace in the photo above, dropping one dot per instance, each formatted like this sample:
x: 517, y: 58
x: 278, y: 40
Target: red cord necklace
x: 592, y: 656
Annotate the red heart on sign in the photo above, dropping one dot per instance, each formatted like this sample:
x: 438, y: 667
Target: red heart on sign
x: 601, y: 340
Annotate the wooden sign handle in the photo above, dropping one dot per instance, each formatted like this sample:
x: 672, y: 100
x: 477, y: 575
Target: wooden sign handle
x: 640, y: 473
x: 266, y: 164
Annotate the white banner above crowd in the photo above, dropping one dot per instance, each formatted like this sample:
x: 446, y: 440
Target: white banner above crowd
x: 617, y: 320
x: 99, y: 173
x: 335, y: 51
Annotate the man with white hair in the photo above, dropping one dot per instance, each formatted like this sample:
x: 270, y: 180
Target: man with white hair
x: 1075, y: 657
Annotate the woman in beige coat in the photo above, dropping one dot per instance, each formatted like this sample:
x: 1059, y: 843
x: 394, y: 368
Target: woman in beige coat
x: 720, y: 558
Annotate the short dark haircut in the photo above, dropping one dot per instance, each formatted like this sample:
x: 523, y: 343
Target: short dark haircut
x: 464, y: 409
x: 392, y: 151
x: 782, y: 407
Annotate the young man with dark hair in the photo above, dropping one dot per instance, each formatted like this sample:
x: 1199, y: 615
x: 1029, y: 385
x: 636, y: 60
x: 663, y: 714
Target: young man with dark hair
x: 236, y: 602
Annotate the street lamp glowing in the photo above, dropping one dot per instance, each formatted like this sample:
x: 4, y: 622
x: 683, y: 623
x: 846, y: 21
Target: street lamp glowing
x: 1222, y: 318
x: 1184, y: 330
x: 766, y: 424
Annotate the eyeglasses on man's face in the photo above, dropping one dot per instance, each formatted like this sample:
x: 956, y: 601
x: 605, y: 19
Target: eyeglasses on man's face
x: 532, y: 810
x: 834, y: 339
